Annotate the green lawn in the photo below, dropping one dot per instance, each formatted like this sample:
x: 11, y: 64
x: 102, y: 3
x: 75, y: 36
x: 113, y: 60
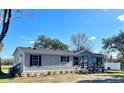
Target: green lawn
x: 5, y: 68
x: 55, y: 78
x: 116, y: 73
x: 52, y: 78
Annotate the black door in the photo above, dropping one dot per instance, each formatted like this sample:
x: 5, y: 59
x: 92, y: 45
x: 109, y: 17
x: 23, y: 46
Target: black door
x: 98, y: 61
x: 75, y: 61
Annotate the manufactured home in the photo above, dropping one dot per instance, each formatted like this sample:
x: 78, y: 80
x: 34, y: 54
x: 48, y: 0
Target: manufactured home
x: 29, y: 60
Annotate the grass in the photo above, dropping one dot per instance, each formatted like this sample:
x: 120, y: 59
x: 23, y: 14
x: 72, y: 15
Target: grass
x: 5, y: 68
x: 52, y: 78
x: 115, y: 73
x: 66, y: 78
x: 58, y: 78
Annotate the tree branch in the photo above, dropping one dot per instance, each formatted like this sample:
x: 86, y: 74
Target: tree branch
x: 6, y: 22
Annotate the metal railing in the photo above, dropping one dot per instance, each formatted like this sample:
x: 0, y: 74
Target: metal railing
x: 92, y: 67
x: 15, y: 69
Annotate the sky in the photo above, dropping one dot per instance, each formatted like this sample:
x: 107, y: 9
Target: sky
x: 27, y: 25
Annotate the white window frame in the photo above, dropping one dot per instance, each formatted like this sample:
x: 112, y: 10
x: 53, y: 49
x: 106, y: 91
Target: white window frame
x: 85, y: 59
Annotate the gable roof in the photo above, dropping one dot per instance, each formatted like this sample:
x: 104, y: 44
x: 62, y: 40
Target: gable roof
x: 99, y: 55
x: 86, y: 51
x: 82, y: 51
x: 44, y: 51
x: 53, y: 52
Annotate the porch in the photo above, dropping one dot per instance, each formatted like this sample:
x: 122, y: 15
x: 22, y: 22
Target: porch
x: 85, y: 63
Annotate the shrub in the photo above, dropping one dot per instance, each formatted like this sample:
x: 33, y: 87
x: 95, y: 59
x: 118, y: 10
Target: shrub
x: 19, y: 73
x: 45, y: 74
x: 49, y: 73
x: 76, y: 72
x: 28, y: 74
x: 66, y: 72
x: 53, y: 73
x: 71, y: 72
x: 57, y: 72
x: 35, y: 74
x: 32, y: 75
x: 61, y: 72
x: 40, y: 74
x: 16, y: 75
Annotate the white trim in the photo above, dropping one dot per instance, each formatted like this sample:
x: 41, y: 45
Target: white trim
x: 48, y: 70
x: 83, y: 51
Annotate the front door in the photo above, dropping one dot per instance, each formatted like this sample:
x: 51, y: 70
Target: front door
x: 98, y: 61
x: 75, y: 61
x: 84, y: 61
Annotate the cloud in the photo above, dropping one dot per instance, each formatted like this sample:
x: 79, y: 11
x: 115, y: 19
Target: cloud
x: 31, y: 42
x: 26, y: 42
x: 92, y: 38
x: 121, y: 17
x: 25, y: 38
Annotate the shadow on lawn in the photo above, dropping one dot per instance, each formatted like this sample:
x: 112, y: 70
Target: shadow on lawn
x: 5, y: 76
x: 114, y: 72
x: 112, y: 80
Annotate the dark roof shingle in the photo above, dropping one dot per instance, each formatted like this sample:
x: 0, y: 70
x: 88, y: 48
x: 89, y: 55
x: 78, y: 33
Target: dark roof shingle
x: 45, y: 51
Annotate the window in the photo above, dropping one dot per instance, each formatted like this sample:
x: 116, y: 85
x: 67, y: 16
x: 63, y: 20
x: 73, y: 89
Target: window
x: 75, y: 61
x: 64, y: 58
x: 85, y: 60
x: 35, y: 60
x: 75, y: 58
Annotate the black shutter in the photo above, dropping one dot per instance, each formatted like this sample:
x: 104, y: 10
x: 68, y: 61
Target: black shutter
x: 61, y: 58
x: 39, y: 60
x: 68, y: 58
x: 30, y: 60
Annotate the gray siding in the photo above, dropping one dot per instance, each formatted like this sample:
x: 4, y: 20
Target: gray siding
x: 49, y: 62
x: 91, y: 57
x: 17, y: 60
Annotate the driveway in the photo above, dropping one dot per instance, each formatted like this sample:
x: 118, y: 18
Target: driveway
x: 100, y: 79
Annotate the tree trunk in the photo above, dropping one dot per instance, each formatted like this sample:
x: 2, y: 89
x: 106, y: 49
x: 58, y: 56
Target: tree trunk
x: 1, y: 46
x: 122, y: 63
x: 6, y: 23
x: 122, y: 56
x: 0, y: 68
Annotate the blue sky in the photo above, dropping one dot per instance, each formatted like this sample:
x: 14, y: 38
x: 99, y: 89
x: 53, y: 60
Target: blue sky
x: 61, y: 24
